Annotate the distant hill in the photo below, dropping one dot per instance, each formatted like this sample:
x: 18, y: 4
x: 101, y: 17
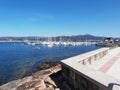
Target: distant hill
x: 91, y: 37
x: 57, y: 38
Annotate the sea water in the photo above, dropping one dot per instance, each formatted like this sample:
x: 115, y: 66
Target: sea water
x: 18, y: 60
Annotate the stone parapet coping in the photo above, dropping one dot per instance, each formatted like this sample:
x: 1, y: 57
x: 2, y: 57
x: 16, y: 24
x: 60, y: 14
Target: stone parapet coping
x: 100, y: 79
x: 79, y: 58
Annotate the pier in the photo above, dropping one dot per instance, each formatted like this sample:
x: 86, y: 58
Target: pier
x: 95, y: 70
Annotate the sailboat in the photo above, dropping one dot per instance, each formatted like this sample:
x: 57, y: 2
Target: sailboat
x: 50, y: 44
x: 27, y: 42
x: 37, y: 43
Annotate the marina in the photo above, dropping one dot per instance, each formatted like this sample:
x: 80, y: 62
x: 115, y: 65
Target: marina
x: 50, y: 44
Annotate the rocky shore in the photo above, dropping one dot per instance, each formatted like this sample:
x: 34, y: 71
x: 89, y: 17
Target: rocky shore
x: 40, y: 80
x: 47, y: 65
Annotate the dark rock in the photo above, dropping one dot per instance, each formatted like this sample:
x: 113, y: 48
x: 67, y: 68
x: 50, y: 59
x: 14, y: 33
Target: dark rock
x: 47, y: 65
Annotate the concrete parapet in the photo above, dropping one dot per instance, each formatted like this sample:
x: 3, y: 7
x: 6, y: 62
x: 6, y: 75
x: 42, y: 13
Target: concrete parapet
x: 82, y: 77
x: 90, y: 58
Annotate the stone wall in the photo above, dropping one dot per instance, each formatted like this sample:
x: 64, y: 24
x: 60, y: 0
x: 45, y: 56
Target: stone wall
x: 78, y: 82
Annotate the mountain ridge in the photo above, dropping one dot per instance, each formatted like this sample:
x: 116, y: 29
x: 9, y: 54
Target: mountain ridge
x: 57, y: 38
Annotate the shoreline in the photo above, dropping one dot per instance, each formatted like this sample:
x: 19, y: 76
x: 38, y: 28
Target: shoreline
x: 39, y: 76
x: 37, y: 68
x: 13, y: 41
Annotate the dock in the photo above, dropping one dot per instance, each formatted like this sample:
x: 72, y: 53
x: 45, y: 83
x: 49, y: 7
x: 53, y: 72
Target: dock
x: 95, y: 70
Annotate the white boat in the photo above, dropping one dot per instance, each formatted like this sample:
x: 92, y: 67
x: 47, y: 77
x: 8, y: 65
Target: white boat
x: 33, y: 43
x: 27, y: 43
x: 50, y: 45
x: 37, y: 48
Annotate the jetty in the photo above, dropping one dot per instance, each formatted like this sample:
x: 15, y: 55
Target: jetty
x: 95, y: 70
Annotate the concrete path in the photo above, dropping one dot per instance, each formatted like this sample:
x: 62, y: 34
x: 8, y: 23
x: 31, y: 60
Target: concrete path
x: 110, y: 64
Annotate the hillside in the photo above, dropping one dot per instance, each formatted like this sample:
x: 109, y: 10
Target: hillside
x: 57, y: 38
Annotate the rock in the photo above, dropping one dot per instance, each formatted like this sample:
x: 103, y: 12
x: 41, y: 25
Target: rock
x: 32, y: 85
x: 38, y: 81
x: 47, y: 65
x: 50, y: 82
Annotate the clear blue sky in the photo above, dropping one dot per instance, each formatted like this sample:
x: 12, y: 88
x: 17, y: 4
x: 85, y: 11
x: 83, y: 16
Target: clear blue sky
x: 59, y: 17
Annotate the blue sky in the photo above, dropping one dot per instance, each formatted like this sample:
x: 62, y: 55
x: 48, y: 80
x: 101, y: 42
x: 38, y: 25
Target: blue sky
x: 59, y: 17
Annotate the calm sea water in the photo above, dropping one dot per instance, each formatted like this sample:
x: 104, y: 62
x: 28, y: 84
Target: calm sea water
x: 17, y: 59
